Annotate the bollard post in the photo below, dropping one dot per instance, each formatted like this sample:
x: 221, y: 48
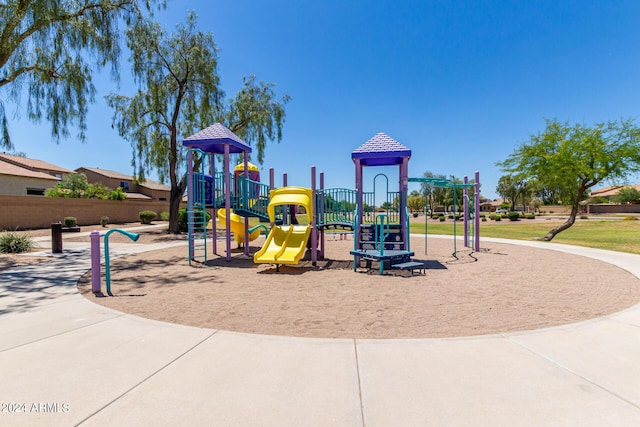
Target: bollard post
x: 56, y: 237
x: 95, y: 262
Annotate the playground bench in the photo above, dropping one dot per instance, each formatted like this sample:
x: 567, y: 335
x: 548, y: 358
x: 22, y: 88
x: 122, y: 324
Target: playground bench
x: 411, y: 266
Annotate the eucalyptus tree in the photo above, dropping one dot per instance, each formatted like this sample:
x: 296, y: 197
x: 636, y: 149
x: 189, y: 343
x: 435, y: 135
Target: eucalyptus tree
x: 49, y: 50
x: 574, y: 158
x: 179, y: 93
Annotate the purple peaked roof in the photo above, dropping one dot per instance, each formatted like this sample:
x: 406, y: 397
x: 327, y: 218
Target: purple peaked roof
x: 214, y: 138
x: 381, y: 150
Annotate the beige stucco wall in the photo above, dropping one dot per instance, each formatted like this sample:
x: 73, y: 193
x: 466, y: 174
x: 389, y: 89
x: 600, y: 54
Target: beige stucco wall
x: 17, y: 185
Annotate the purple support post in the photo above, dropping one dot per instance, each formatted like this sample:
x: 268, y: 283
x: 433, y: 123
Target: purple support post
x: 227, y: 199
x: 214, y: 217
x: 95, y: 262
x: 404, y: 188
x: 285, y: 208
x: 465, y: 205
x: 245, y: 197
x: 476, y: 210
x: 314, y: 229
x: 322, y: 213
x: 272, y: 183
x: 360, y: 205
x: 190, y: 193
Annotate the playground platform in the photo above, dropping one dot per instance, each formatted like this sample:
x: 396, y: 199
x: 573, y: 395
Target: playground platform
x: 63, y: 361
x: 388, y: 255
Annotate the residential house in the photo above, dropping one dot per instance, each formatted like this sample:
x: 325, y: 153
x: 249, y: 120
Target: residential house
x: 148, y: 190
x: 611, y: 191
x: 22, y: 176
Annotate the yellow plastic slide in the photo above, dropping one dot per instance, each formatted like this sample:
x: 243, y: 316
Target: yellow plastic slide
x: 237, y: 226
x: 286, y: 244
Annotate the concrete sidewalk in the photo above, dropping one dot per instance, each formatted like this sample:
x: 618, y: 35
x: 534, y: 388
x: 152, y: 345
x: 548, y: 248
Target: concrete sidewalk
x: 66, y: 361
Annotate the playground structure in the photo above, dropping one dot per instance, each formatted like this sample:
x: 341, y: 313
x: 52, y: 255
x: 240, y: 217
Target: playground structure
x: 237, y: 226
x: 380, y: 235
x: 470, y: 210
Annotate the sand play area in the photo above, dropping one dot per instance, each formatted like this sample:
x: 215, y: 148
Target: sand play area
x: 502, y: 288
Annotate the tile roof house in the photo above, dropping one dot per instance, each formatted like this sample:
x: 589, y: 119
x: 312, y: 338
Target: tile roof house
x: 148, y: 190
x: 37, y: 165
x: 21, y: 176
x: 612, y: 190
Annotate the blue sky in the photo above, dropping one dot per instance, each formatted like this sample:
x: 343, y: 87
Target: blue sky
x: 461, y: 83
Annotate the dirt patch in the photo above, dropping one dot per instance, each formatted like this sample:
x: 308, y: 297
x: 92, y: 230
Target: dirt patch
x: 502, y: 288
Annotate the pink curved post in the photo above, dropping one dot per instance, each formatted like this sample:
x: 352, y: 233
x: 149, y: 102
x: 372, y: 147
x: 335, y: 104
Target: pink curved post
x: 95, y: 262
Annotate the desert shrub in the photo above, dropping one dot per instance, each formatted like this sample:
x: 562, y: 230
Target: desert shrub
x: 164, y: 216
x: 147, y: 216
x: 584, y: 217
x: 15, y: 243
x: 513, y: 216
x: 70, y: 221
x: 104, y: 221
x: 530, y: 216
x: 630, y: 218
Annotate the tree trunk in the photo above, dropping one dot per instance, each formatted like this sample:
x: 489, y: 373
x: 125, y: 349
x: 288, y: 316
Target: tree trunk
x: 572, y: 219
x: 174, y: 207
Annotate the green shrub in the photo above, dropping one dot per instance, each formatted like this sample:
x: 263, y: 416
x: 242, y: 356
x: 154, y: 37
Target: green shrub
x: 497, y: 218
x: 630, y: 218
x: 147, y: 216
x: 70, y: 221
x: 484, y: 219
x: 513, y: 216
x: 584, y: 217
x: 164, y: 216
x: 441, y: 218
x: 183, y: 218
x: 104, y: 221
x: 117, y: 194
x: 530, y: 216
x: 15, y: 243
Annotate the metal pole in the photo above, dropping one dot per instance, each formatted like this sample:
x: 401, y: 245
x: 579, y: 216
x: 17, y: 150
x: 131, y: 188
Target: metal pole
x: 455, y: 196
x: 314, y: 235
x: 477, y: 212
x: 466, y: 210
x: 214, y: 230
x: 190, y: 195
x: 271, y: 187
x: 227, y: 200
x: 321, y: 209
x: 245, y: 198
x: 95, y: 262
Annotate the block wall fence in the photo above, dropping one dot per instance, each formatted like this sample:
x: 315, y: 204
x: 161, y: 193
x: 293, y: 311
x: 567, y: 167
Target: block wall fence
x: 27, y: 212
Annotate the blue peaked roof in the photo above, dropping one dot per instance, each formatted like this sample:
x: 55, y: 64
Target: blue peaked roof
x: 214, y: 138
x: 381, y: 150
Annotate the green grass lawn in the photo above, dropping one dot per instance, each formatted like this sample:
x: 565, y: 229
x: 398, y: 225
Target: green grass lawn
x: 622, y: 236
